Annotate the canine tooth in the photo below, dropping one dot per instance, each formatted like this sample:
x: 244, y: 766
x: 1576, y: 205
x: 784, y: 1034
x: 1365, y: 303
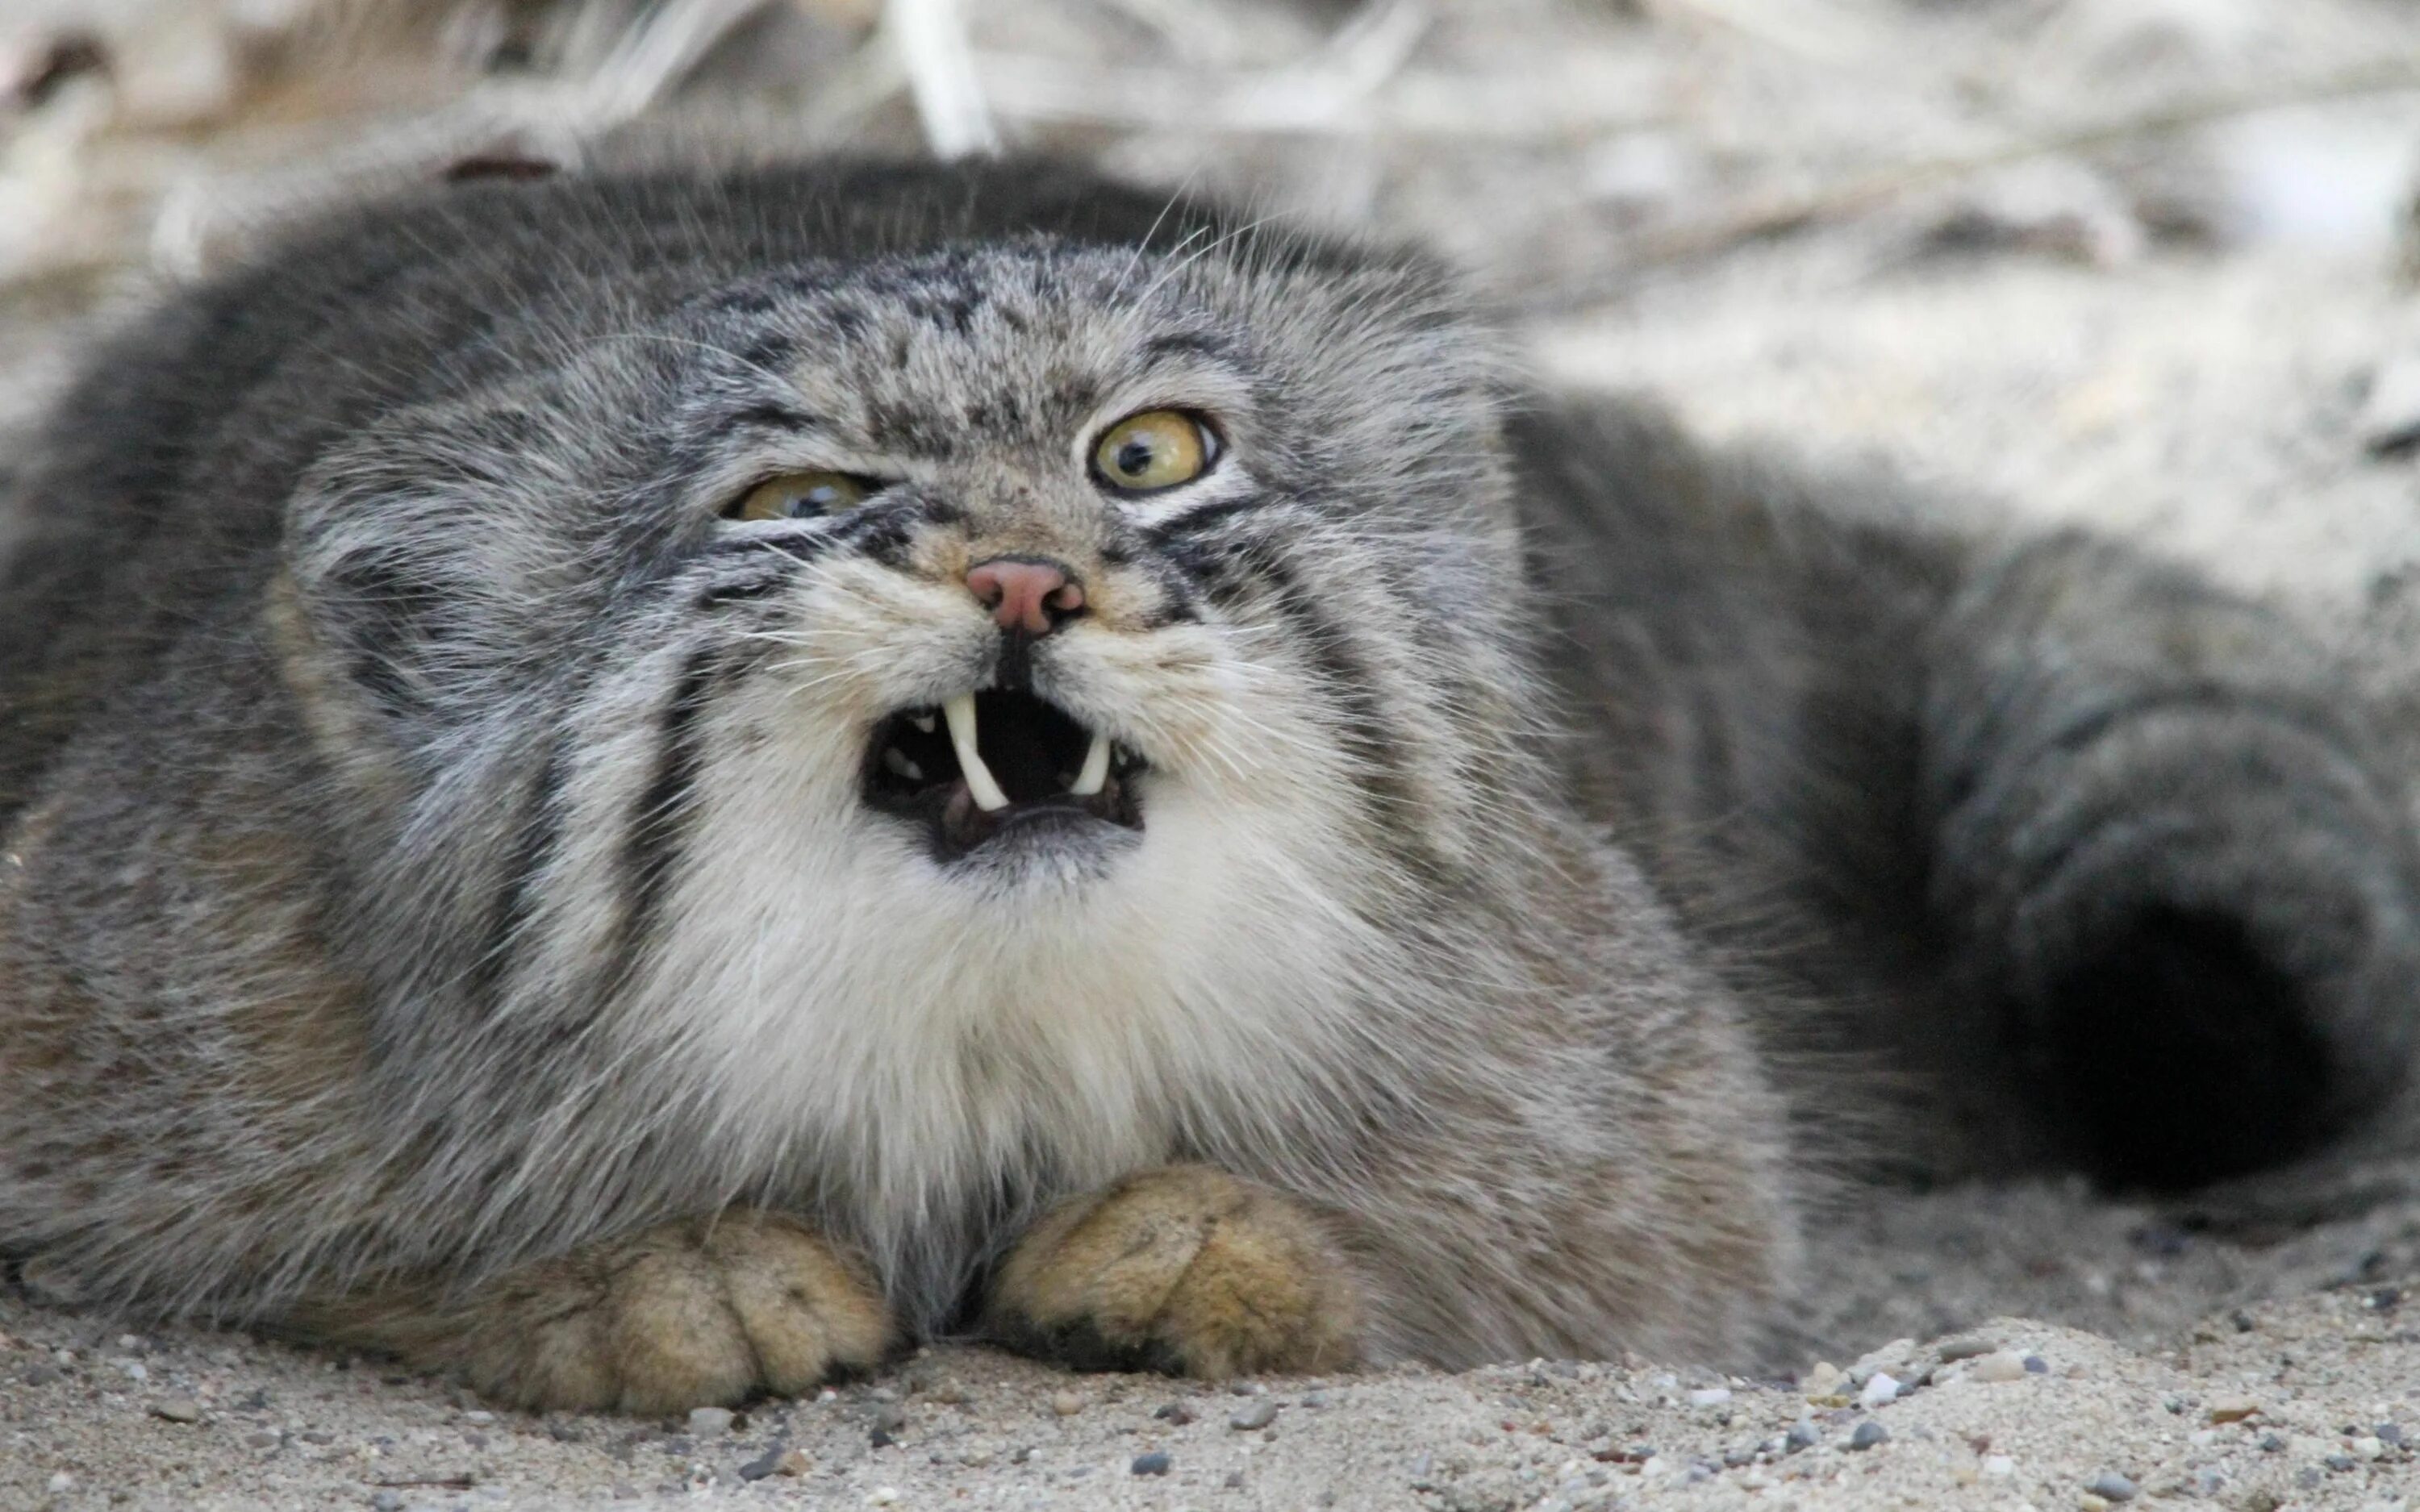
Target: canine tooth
x: 1096, y: 768
x: 897, y: 760
x: 960, y: 711
x: 924, y: 723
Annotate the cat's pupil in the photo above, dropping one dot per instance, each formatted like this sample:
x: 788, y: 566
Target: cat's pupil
x: 1134, y: 458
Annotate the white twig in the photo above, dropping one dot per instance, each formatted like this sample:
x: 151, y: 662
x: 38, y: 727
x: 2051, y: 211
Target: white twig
x: 1356, y: 85
x: 931, y: 39
x: 1477, y: 107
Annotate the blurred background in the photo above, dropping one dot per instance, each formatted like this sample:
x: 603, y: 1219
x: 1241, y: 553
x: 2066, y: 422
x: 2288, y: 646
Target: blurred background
x: 2150, y: 265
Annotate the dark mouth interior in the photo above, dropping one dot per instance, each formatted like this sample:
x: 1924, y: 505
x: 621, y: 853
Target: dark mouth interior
x: 1034, y: 750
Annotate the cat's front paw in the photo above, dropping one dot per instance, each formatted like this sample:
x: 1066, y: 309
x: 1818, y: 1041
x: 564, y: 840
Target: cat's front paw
x: 1185, y: 1270
x: 699, y: 1313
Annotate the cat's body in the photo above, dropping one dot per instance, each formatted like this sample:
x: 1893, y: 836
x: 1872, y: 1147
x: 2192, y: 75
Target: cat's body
x: 458, y: 874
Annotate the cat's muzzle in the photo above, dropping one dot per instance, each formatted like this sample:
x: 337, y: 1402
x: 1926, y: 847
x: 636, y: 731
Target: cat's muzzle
x: 1000, y: 766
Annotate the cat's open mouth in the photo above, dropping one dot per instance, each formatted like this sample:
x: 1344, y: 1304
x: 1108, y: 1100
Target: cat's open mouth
x: 987, y: 765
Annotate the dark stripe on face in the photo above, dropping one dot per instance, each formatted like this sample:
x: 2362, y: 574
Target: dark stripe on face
x: 1344, y: 678
x: 534, y: 843
x: 1166, y: 533
x: 885, y: 528
x: 882, y: 528
x: 1179, y: 604
x: 808, y: 545
x: 659, y: 820
x: 742, y: 590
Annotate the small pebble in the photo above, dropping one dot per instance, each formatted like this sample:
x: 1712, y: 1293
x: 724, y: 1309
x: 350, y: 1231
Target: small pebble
x: 1710, y: 1396
x: 1804, y: 1435
x: 2090, y: 1502
x: 1886, y: 1358
x: 2233, y: 1409
x: 2272, y: 1444
x: 1263, y: 1412
x: 882, y: 1496
x: 262, y: 1439
x: 2112, y: 1487
x: 42, y: 1375
x: 1999, y: 1466
x: 1867, y: 1434
x: 1174, y: 1413
x: 889, y: 1418
x: 2392, y: 1433
x: 1879, y: 1388
x: 2366, y: 1447
x: 1066, y: 1404
x: 483, y: 1418
x: 1155, y: 1463
x: 2341, y: 1462
x: 2001, y: 1365
x: 177, y: 1409
x: 1825, y: 1380
x: 1235, y: 1481
x: 389, y: 1501
x: 2037, y: 1366
x: 704, y: 1422
x: 1965, y: 1349
x: 763, y: 1465
x: 61, y: 1483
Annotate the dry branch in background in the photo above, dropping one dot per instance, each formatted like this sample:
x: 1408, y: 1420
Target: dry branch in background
x: 174, y: 137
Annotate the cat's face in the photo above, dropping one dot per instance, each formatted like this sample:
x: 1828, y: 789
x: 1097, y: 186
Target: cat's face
x: 679, y: 640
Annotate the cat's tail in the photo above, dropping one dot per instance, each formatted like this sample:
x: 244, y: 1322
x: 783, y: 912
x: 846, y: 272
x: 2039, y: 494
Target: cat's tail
x: 2184, y: 871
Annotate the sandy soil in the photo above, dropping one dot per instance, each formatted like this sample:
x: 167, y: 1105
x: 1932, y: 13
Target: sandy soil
x: 2105, y: 357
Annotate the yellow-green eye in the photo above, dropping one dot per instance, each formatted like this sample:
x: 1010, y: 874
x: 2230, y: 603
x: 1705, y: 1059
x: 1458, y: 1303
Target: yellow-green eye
x: 1156, y: 449
x: 801, y: 495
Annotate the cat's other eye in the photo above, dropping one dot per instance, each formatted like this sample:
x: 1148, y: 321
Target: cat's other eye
x: 802, y: 496
x: 1156, y: 449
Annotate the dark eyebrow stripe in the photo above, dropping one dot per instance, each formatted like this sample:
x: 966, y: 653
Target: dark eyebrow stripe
x: 1188, y: 343
x: 769, y: 414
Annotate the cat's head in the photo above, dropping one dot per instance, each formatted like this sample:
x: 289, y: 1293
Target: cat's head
x: 1041, y: 614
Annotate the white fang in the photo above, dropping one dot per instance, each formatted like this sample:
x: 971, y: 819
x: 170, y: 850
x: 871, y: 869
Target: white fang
x: 1096, y: 768
x: 961, y: 711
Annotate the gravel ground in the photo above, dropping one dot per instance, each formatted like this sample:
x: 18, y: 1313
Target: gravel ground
x: 2311, y: 1402
x: 2218, y: 395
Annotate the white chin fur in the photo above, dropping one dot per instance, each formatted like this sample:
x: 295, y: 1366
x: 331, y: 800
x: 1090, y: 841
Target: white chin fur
x: 853, y: 1021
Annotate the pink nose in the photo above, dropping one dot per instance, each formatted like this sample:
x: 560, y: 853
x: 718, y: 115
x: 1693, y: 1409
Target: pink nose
x: 1025, y: 595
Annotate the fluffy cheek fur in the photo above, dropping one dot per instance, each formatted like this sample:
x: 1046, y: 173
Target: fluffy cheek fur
x: 831, y: 999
